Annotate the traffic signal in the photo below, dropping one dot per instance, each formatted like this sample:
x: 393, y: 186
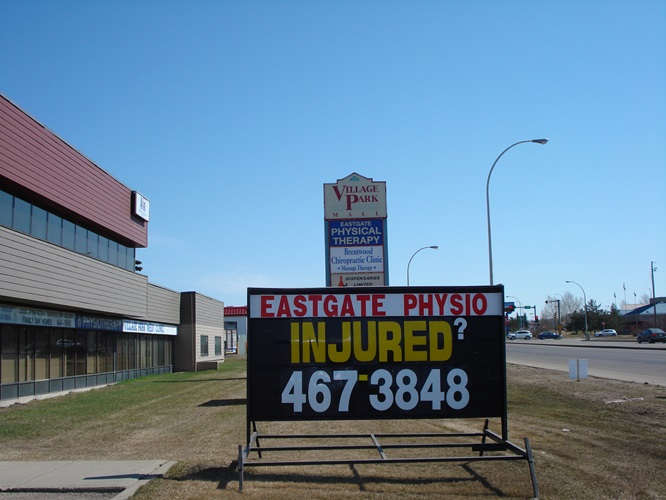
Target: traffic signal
x: 536, y: 319
x: 509, y: 307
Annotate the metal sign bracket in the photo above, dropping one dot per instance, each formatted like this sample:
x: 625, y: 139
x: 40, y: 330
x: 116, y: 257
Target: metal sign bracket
x: 483, y: 446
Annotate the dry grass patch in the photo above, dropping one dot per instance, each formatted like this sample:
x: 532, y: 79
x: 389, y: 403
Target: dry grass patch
x: 591, y: 439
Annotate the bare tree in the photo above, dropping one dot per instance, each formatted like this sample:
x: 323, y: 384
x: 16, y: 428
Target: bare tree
x: 568, y: 304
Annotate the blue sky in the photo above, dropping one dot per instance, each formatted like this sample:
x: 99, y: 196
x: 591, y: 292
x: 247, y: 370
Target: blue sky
x: 229, y: 116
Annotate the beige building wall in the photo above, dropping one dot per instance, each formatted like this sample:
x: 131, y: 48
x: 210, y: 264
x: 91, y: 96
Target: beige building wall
x: 38, y: 272
x: 200, y: 316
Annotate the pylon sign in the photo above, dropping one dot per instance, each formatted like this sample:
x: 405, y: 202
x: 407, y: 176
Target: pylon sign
x: 355, y: 220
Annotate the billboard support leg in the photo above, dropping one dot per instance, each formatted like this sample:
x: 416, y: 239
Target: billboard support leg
x: 255, y: 433
x: 483, y: 438
x: 530, y: 461
x: 240, y: 468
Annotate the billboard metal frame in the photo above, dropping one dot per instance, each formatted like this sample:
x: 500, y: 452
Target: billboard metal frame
x: 293, y: 336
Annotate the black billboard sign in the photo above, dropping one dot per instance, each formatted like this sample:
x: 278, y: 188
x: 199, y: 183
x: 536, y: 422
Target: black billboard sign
x: 380, y: 353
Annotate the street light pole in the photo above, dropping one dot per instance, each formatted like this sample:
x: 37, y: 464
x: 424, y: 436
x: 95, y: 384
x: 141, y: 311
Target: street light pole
x: 587, y: 335
x: 434, y: 247
x: 490, y: 245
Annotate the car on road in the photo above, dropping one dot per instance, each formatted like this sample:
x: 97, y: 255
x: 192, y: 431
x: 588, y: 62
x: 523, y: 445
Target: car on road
x: 651, y: 335
x: 519, y: 334
x: 549, y: 335
x: 608, y: 332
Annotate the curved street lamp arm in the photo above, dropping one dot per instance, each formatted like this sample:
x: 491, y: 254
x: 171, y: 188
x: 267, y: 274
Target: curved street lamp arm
x: 490, y: 246
x: 584, y: 304
x: 434, y: 247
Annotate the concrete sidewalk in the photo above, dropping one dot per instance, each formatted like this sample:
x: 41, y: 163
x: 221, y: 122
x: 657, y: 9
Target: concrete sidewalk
x: 121, y: 476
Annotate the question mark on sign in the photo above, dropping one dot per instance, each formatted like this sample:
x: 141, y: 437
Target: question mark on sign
x: 461, y: 323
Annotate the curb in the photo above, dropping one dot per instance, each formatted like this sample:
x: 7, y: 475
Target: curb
x: 160, y: 472
x: 587, y: 344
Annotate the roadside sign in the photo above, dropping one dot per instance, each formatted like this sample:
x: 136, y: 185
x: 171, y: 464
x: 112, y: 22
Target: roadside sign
x: 379, y: 353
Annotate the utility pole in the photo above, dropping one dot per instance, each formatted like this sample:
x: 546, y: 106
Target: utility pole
x: 559, y: 318
x: 654, y: 293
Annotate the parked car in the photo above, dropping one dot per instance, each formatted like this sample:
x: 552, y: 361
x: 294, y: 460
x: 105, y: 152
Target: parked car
x: 608, y: 332
x: 652, y: 335
x: 520, y: 334
x: 549, y: 335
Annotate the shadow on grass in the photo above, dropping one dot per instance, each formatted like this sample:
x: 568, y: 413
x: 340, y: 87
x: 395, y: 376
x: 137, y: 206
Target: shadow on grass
x: 225, y: 402
x: 225, y: 475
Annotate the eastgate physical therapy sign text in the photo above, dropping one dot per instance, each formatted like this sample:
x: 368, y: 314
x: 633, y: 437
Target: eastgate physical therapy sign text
x: 350, y: 233
x: 392, y: 353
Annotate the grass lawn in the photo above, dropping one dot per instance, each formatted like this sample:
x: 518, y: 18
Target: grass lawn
x: 591, y: 439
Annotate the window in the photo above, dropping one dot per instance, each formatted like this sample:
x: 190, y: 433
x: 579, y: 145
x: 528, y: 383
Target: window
x: 21, y: 216
x: 113, y: 253
x: 93, y: 245
x: 6, y: 209
x: 68, y: 234
x: 204, y: 345
x: 54, y: 229
x: 41, y: 353
x: 38, y: 229
x: 218, y: 346
x: 91, y: 352
x: 9, y: 349
x: 122, y: 256
x: 26, y: 354
x: 81, y: 240
x: 57, y: 350
x: 103, y: 249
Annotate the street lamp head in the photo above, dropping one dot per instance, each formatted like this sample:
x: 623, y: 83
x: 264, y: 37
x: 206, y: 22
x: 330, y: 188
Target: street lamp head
x: 434, y: 247
x: 540, y: 141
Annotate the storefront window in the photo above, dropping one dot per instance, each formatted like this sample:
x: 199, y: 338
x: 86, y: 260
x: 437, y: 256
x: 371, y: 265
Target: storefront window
x: 26, y: 354
x: 142, y: 351
x: 68, y: 343
x: 9, y: 347
x: 41, y: 354
x: 150, y: 347
x: 57, y: 350
x: 168, y: 349
x: 91, y: 352
x: 121, y: 352
x: 160, y: 361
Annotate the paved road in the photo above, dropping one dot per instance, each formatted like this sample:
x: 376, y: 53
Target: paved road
x: 615, y: 360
